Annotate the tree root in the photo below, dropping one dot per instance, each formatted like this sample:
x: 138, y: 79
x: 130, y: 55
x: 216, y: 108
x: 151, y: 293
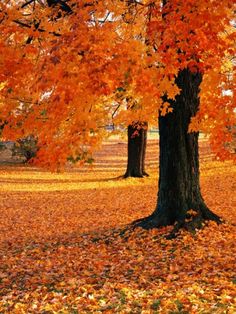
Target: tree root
x: 193, y: 221
x: 132, y: 175
x: 128, y: 175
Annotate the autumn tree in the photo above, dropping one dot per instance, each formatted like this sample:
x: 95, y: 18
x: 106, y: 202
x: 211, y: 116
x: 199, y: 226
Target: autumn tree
x: 137, y: 130
x: 41, y: 31
x: 137, y: 143
x: 179, y: 195
x: 60, y: 73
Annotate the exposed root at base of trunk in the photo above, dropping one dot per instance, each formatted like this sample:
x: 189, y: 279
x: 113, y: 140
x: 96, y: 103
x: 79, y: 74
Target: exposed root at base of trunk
x: 209, y: 215
x: 194, y: 220
x: 192, y: 224
x: 135, y: 175
x: 128, y: 175
x: 152, y: 221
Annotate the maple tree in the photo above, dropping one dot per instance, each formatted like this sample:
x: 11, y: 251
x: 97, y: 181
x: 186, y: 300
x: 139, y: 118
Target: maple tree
x: 137, y: 136
x: 63, y: 62
x: 137, y: 142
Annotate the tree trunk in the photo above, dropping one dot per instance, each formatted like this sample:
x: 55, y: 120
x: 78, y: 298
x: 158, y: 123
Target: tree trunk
x: 137, y: 141
x: 179, y: 188
x: 144, y: 149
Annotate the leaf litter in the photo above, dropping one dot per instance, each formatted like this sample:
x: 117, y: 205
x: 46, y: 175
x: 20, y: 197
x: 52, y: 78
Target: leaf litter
x: 62, y: 250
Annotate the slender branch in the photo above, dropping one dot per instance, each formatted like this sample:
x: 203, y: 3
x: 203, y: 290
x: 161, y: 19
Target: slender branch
x: 24, y: 101
x: 104, y: 20
x: 65, y: 7
x: 27, y: 3
x: 114, y: 112
x: 41, y: 30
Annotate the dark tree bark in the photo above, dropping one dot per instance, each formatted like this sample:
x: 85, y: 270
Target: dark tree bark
x: 144, y: 149
x: 137, y: 142
x: 179, y: 188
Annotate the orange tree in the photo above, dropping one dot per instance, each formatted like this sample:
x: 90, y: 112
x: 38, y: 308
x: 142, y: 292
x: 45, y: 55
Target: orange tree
x: 62, y: 63
x: 137, y: 143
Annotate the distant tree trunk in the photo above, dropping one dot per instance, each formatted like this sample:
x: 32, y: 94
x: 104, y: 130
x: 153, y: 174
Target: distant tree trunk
x: 137, y: 142
x: 179, y: 188
x: 144, y: 149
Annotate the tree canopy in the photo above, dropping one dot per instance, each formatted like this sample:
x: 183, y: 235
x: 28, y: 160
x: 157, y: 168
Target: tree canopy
x: 67, y: 67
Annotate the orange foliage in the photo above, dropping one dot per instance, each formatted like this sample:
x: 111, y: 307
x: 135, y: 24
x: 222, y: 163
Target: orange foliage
x: 61, y: 250
x: 61, y: 71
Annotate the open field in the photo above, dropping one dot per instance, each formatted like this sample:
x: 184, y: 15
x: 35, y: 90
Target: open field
x: 61, y: 250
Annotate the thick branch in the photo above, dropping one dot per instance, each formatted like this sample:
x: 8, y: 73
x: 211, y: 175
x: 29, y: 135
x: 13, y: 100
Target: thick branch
x: 62, y: 4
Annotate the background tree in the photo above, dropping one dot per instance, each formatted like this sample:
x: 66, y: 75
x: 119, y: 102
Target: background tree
x: 137, y: 143
x: 137, y: 130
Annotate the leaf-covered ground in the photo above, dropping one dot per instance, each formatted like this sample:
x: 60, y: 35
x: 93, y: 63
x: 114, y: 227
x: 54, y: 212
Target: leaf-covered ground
x: 61, y: 250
